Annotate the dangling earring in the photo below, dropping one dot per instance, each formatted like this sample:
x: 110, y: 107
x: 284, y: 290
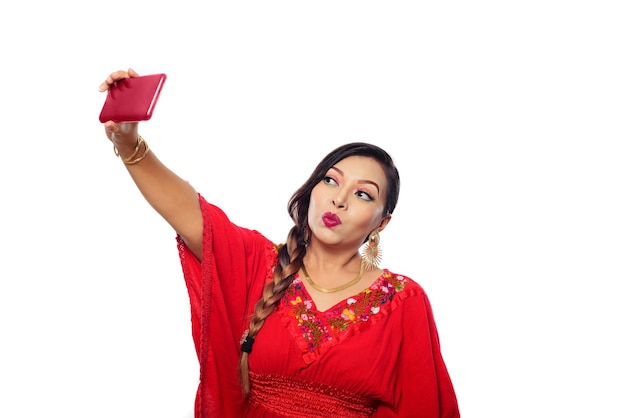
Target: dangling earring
x: 371, y: 252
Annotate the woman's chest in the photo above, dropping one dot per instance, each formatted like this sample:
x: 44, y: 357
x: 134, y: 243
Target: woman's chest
x: 352, y: 335
x: 360, y: 361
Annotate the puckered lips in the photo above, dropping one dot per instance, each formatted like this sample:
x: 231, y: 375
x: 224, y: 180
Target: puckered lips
x: 330, y: 219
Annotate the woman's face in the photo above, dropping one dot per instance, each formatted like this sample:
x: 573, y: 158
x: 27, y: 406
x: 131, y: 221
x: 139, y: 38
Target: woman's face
x: 349, y: 202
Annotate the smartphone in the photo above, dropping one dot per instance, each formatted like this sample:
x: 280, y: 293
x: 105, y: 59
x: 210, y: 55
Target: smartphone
x: 132, y: 99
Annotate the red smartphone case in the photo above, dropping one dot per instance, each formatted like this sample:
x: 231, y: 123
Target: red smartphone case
x: 132, y: 99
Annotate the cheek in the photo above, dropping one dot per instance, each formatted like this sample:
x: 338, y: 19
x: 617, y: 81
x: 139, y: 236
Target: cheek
x: 312, y: 209
x: 313, y: 204
x: 371, y: 219
x: 317, y: 198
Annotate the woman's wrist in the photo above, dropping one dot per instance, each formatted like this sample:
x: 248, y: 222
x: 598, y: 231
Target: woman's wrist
x: 132, y: 154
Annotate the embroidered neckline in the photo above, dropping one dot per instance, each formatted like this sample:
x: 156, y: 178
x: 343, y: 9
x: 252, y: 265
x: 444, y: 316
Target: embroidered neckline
x: 315, y: 330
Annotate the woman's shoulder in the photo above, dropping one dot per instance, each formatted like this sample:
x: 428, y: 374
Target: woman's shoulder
x: 402, y: 283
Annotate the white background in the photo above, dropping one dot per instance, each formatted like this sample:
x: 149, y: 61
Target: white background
x: 506, y: 120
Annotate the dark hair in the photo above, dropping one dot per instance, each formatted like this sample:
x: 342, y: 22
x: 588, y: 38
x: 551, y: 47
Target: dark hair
x: 291, y: 254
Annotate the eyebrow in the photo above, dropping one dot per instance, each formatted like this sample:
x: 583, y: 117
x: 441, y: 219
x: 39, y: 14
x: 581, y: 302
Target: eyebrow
x: 360, y: 181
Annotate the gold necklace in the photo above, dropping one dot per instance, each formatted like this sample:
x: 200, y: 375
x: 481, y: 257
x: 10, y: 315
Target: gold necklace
x: 334, y: 289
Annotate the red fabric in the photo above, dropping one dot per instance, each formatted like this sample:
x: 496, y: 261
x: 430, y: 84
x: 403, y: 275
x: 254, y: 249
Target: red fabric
x: 296, y: 398
x: 394, y: 359
x: 235, y: 263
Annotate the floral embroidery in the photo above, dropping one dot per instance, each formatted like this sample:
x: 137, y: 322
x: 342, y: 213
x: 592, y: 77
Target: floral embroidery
x: 317, y: 327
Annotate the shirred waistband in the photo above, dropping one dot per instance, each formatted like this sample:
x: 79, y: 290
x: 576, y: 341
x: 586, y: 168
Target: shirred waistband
x: 297, y: 399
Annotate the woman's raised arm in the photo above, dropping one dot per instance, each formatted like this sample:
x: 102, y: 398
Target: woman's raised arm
x: 171, y: 196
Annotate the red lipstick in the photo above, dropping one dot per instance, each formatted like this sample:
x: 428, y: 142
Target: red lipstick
x: 330, y: 219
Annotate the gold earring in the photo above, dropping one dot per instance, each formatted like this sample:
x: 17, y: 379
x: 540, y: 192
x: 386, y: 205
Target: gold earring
x: 371, y: 253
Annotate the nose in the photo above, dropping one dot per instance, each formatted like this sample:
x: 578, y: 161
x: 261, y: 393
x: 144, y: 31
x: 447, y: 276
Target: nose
x: 340, y: 200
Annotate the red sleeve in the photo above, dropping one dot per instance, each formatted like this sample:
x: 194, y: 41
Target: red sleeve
x: 422, y: 386
x: 236, y: 262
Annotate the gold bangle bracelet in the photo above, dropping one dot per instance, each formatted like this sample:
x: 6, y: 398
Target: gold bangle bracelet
x: 139, y: 142
x: 137, y: 147
x: 141, y: 157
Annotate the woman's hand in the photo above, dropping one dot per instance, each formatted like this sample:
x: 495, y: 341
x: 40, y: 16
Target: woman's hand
x: 123, y: 135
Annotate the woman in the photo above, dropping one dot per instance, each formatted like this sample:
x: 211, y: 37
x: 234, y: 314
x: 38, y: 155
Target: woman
x: 311, y: 328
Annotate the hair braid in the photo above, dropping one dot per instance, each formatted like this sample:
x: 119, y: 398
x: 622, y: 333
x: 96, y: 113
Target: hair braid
x: 289, y: 263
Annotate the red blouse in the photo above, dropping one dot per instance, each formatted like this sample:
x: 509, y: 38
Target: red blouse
x: 373, y: 354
